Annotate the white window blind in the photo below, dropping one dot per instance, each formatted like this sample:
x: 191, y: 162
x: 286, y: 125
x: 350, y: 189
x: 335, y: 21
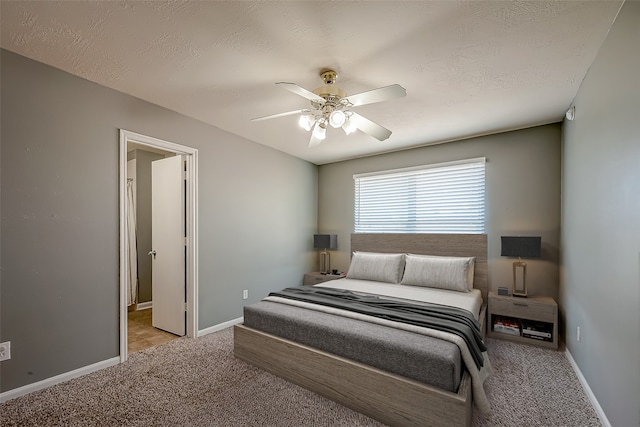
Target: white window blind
x: 440, y: 198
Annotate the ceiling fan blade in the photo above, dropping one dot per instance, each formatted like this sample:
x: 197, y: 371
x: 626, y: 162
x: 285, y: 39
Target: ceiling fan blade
x: 292, y: 87
x: 288, y: 113
x: 377, y: 95
x: 314, y: 141
x: 367, y: 126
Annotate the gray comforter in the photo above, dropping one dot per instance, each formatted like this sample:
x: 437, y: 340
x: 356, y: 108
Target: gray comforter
x: 443, y: 318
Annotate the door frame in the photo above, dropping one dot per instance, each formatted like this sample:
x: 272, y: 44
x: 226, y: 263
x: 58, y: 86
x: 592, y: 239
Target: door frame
x: 191, y: 157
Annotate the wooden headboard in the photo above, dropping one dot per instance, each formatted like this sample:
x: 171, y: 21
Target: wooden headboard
x: 431, y: 244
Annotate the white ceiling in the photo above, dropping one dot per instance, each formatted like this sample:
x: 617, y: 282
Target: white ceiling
x: 469, y: 67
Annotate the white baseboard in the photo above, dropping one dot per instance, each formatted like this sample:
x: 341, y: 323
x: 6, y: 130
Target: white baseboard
x: 144, y: 305
x: 30, y: 388
x: 592, y: 397
x: 219, y: 327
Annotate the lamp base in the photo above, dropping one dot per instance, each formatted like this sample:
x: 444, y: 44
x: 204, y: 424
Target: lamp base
x: 519, y: 279
x: 325, y: 262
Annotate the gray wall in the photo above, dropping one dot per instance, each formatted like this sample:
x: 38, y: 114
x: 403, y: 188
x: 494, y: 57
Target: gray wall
x: 600, y: 289
x: 59, y: 210
x: 522, y: 190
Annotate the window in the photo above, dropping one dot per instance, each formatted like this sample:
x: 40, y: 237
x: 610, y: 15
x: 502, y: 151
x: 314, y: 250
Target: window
x: 440, y: 198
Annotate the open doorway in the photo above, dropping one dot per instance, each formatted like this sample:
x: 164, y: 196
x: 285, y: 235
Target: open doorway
x: 146, y: 310
x: 139, y: 156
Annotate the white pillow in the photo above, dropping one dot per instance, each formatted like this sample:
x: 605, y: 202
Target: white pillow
x: 452, y: 273
x: 376, y: 266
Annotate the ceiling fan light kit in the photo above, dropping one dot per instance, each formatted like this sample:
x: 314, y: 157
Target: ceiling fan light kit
x: 332, y: 106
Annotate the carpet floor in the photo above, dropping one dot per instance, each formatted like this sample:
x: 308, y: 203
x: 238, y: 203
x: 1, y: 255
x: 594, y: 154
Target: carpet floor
x: 198, y: 382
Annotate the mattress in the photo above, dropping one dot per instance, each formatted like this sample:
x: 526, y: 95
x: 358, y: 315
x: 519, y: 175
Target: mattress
x: 412, y: 355
x: 470, y: 301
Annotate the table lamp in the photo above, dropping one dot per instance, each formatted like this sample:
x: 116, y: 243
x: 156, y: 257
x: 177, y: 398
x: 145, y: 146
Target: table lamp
x: 521, y: 247
x: 324, y: 242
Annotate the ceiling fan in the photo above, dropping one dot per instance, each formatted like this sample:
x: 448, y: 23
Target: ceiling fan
x: 331, y: 106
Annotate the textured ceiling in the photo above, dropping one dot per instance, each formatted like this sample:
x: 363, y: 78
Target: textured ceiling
x: 469, y: 67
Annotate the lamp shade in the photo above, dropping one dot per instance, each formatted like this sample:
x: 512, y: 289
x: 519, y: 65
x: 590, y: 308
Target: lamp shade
x: 320, y: 131
x: 306, y: 121
x: 325, y: 241
x: 521, y: 247
x: 337, y: 118
x: 349, y: 127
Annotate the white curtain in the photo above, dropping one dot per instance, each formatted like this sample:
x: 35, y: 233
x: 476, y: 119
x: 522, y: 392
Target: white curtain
x: 132, y: 278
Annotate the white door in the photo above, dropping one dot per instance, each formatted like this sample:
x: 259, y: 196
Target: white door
x: 168, y: 244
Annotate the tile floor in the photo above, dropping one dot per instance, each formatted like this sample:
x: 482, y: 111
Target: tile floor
x: 142, y: 334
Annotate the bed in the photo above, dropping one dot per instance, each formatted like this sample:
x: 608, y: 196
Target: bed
x: 294, y: 342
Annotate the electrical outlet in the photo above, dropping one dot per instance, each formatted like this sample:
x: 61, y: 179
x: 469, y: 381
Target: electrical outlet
x: 5, y: 350
x: 578, y: 334
x: 245, y: 294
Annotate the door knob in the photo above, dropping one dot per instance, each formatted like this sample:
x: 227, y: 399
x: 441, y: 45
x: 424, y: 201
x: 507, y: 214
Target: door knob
x: 152, y: 252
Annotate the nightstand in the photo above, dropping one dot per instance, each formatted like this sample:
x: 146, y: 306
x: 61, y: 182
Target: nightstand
x: 531, y: 320
x: 314, y: 278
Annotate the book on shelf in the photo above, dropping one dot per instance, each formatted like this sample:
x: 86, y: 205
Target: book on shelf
x: 506, y: 325
x: 536, y: 333
x: 537, y: 330
x: 536, y: 337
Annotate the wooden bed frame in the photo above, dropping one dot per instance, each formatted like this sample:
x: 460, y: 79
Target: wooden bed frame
x: 386, y: 397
